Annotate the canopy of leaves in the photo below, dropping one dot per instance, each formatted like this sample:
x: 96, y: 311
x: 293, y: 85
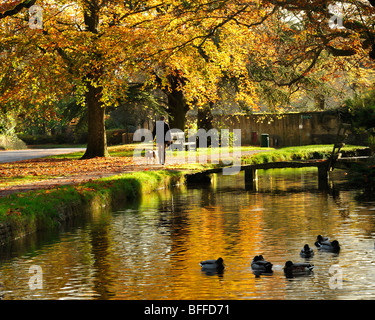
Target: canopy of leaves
x: 264, y: 50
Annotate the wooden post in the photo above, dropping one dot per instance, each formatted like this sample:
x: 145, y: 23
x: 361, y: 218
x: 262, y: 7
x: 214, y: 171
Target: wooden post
x: 323, y: 176
x: 251, y: 179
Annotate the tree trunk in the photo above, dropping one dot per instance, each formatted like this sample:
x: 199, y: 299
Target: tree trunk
x: 205, y: 117
x: 204, y: 121
x: 176, y: 110
x: 17, y: 8
x: 97, y: 140
x: 177, y: 107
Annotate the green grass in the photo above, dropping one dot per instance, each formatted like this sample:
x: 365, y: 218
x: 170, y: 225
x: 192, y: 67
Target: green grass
x: 299, y: 153
x: 284, y: 154
x: 55, y: 146
x: 74, y: 155
x: 13, y: 181
x: 128, y: 150
x: 35, y: 210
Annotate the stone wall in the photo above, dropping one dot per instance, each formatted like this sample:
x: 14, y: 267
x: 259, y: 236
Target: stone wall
x: 291, y: 129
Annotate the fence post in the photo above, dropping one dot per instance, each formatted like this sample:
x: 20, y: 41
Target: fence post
x: 251, y: 179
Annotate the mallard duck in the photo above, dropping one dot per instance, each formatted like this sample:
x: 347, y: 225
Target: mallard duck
x: 212, y: 264
x: 333, y: 246
x: 306, y: 252
x: 319, y: 240
x: 295, y: 269
x: 261, y: 265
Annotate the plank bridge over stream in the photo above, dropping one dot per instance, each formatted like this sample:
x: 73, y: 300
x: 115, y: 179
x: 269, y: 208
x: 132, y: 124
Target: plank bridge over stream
x: 324, y: 166
x: 251, y: 177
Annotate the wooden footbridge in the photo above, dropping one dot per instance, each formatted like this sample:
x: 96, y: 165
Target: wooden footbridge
x: 251, y: 177
x: 324, y: 166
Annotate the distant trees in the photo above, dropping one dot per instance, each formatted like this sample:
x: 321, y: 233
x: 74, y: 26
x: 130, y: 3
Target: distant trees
x: 360, y: 113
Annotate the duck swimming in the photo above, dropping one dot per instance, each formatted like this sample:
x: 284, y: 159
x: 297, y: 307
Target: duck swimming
x: 212, y: 264
x: 333, y: 246
x: 261, y: 265
x: 319, y: 240
x: 306, y: 252
x: 295, y: 269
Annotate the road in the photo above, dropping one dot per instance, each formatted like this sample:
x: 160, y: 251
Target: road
x: 17, y: 155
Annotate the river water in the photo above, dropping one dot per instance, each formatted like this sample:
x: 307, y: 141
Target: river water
x: 152, y: 248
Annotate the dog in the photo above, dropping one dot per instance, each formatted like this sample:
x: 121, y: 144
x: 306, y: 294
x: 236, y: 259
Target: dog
x: 151, y: 156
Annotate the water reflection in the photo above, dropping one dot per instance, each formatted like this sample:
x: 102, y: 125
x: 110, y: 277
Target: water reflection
x: 152, y: 249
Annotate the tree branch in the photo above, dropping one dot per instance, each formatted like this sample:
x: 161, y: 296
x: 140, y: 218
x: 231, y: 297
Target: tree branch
x: 17, y: 8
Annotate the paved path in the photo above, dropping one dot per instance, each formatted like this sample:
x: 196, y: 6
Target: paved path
x: 17, y: 155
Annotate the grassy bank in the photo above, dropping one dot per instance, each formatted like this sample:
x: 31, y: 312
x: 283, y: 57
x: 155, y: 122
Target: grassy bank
x: 24, y: 213
x: 309, y: 152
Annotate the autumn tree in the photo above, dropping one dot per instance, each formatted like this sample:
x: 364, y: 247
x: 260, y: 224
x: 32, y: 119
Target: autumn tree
x: 338, y: 35
x: 93, y: 49
x: 204, y: 43
x: 86, y: 48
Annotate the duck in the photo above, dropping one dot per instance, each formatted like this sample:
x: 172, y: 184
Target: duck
x: 306, y: 252
x: 212, y: 264
x: 261, y: 265
x: 295, y: 269
x: 320, y: 239
x: 333, y: 246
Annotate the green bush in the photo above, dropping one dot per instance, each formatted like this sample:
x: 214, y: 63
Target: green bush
x: 360, y: 113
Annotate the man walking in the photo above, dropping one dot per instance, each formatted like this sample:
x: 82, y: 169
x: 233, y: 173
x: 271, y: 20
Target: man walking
x: 163, y: 137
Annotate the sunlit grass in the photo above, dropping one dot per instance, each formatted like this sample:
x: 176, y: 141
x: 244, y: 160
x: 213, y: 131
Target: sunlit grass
x: 122, y: 157
x: 28, y: 211
x: 127, y: 150
x: 13, y: 181
x: 308, y: 152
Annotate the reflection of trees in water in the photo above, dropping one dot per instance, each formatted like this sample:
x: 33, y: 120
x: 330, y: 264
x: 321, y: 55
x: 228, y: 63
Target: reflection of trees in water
x: 166, y: 236
x: 207, y: 203
x: 100, y: 241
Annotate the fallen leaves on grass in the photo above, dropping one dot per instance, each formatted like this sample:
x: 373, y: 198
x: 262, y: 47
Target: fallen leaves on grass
x: 65, y: 167
x: 12, y: 211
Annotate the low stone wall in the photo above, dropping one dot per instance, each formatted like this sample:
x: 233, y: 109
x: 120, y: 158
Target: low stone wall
x: 290, y: 129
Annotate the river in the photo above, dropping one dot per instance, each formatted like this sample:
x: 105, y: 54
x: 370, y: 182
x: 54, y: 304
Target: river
x: 152, y: 248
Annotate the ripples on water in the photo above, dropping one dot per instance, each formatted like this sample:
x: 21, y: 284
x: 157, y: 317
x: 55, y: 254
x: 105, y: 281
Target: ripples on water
x: 151, y: 249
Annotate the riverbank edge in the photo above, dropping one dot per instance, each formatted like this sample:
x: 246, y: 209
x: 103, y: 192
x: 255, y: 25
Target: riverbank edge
x: 39, y: 210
